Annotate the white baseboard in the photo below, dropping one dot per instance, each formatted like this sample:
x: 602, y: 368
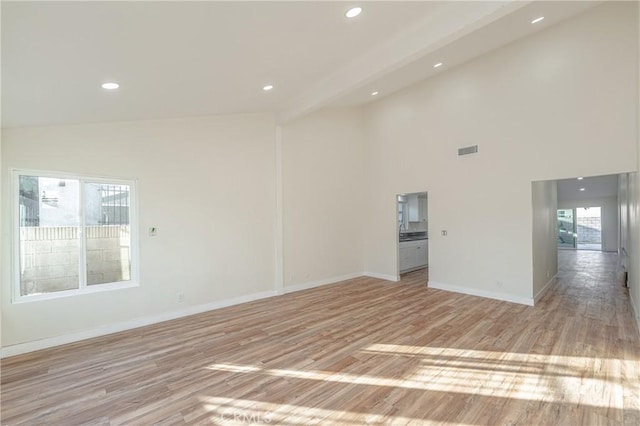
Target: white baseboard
x: 634, y: 311
x: 546, y: 287
x: 394, y: 278
x: 482, y: 293
x: 36, y: 345
x: 318, y: 283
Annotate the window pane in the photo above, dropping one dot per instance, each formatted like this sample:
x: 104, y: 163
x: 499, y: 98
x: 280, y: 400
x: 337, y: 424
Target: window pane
x: 108, y: 233
x: 49, y: 239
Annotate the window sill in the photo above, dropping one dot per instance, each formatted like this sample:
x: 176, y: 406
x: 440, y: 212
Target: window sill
x: 98, y: 288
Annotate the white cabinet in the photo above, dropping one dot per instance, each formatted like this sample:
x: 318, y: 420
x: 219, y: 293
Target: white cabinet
x: 414, y: 208
x: 405, y: 257
x: 421, y: 254
x: 413, y: 255
x: 417, y: 204
x: 423, y: 205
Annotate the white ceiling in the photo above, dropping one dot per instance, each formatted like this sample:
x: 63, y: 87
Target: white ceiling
x: 594, y: 187
x: 176, y: 59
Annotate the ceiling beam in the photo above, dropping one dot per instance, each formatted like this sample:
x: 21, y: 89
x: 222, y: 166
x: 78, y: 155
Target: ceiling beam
x: 449, y: 22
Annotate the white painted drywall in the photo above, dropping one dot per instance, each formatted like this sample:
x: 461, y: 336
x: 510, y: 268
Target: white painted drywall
x: 633, y: 240
x: 1, y: 234
x: 544, y: 207
x: 207, y: 184
x: 633, y: 204
x: 624, y: 211
x: 609, y: 217
x: 558, y: 104
x: 322, y: 169
x: 623, y: 215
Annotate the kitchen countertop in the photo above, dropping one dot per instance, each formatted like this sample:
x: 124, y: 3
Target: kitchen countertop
x: 413, y: 236
x: 404, y: 240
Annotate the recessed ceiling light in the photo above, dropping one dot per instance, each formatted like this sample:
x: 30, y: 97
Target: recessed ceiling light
x: 535, y: 21
x: 582, y: 189
x: 267, y: 87
x: 439, y: 64
x: 353, y: 12
x: 110, y: 86
x: 374, y: 93
x: 580, y: 178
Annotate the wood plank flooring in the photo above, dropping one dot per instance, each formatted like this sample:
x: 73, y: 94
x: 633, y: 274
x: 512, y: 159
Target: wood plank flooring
x: 364, y: 351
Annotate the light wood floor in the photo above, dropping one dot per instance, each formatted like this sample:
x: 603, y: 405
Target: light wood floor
x: 365, y: 351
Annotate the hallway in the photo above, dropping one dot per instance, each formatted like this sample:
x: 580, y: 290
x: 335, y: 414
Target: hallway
x: 596, y: 276
x: 597, y: 317
x: 589, y: 260
x: 591, y: 290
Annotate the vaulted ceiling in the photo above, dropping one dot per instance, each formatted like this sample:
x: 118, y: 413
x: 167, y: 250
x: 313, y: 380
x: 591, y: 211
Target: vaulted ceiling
x: 176, y: 59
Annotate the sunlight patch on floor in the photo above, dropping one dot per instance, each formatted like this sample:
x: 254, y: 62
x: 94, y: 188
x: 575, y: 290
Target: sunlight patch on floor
x: 462, y: 379
x: 548, y: 378
x: 531, y: 377
x: 453, y: 352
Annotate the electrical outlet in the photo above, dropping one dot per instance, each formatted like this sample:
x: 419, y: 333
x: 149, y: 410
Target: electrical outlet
x: 499, y: 284
x: 443, y: 233
x: 180, y: 297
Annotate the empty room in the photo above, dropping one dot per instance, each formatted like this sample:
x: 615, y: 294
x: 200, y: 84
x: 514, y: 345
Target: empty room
x: 318, y: 212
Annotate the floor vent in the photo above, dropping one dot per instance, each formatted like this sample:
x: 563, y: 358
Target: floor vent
x: 468, y: 150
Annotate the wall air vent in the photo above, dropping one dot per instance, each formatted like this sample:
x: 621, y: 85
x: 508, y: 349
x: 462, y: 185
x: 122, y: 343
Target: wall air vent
x: 468, y: 150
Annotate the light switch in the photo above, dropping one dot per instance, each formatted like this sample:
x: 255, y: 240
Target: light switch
x: 153, y: 231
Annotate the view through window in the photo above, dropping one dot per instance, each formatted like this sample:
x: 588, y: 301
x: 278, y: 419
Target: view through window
x: 73, y: 233
x: 580, y: 228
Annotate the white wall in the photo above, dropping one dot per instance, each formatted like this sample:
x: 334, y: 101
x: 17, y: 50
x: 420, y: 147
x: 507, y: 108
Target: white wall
x: 623, y: 216
x: 207, y: 184
x: 624, y: 211
x: 633, y: 214
x: 322, y: 169
x: 544, y: 207
x: 2, y: 282
x: 633, y: 241
x: 609, y: 217
x: 558, y: 104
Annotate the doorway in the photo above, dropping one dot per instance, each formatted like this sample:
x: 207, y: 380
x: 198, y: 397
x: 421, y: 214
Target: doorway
x: 412, y: 234
x: 589, y: 221
x: 580, y: 228
x: 566, y: 229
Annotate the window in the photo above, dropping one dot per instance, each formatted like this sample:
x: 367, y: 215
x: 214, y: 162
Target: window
x: 72, y: 235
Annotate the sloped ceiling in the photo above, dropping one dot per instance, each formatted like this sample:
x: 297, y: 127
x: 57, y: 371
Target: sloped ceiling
x: 176, y: 59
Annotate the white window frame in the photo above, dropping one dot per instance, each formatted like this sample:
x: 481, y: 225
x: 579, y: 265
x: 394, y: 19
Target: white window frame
x: 83, y: 288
